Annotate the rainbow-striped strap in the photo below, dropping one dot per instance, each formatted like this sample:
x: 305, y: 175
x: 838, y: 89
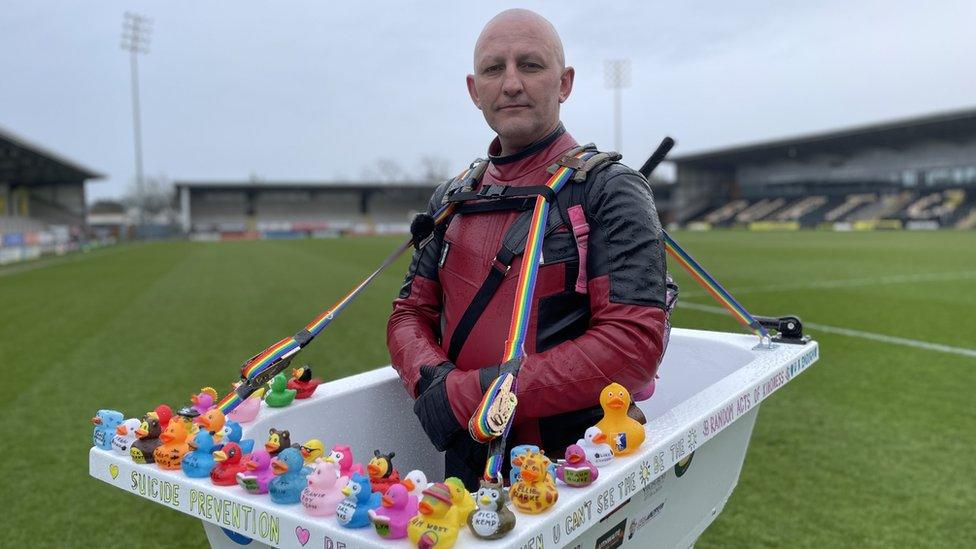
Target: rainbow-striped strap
x: 260, y: 368
x: 714, y: 289
x: 493, y: 417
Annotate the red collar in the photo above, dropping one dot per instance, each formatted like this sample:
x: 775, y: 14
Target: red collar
x: 539, y: 155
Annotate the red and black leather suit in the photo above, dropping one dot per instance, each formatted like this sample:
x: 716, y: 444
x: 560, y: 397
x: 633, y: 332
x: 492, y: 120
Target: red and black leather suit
x: 577, y: 342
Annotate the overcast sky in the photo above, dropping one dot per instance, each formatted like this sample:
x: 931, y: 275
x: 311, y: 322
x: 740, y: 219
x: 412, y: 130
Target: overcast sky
x: 320, y: 90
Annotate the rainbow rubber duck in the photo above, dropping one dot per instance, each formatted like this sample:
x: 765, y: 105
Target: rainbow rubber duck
x: 382, y: 475
x: 416, y: 483
x: 204, y: 400
x: 303, y: 382
x: 353, y: 512
x: 289, y: 481
x: 393, y: 515
x: 247, y: 410
x: 233, y: 432
x: 199, y: 461
x: 625, y: 433
x: 230, y: 461
x: 516, y: 460
x: 493, y: 519
x: 594, y: 445
x: 105, y: 422
x: 280, y: 395
x: 437, y: 524
x: 324, y: 491
x: 170, y: 453
x: 461, y: 499
x: 277, y: 441
x: 125, y: 435
x: 535, y: 491
x: 147, y: 439
x: 257, y: 473
x: 576, y: 470
x: 341, y: 455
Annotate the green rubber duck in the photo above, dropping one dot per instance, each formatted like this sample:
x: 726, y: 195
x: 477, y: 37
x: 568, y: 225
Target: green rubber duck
x: 280, y: 395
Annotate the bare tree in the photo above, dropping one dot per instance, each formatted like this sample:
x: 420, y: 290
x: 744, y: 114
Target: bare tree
x: 156, y: 199
x: 434, y: 169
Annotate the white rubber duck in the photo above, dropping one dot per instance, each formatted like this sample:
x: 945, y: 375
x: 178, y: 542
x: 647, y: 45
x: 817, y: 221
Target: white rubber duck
x: 416, y: 483
x: 594, y: 443
x: 125, y: 435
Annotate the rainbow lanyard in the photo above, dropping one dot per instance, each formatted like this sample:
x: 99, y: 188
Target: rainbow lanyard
x: 715, y: 289
x: 501, y: 393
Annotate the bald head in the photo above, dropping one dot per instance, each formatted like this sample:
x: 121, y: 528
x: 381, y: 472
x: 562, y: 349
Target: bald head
x: 520, y: 77
x: 522, y: 24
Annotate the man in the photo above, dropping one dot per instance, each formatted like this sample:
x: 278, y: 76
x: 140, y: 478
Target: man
x: 594, y: 321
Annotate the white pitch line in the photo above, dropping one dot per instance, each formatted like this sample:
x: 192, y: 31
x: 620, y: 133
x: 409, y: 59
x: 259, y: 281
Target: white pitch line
x: 882, y: 338
x: 851, y: 282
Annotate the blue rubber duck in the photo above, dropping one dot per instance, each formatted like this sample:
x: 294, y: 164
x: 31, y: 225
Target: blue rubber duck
x: 105, y: 422
x: 353, y: 512
x: 289, y: 481
x: 232, y: 432
x: 199, y: 461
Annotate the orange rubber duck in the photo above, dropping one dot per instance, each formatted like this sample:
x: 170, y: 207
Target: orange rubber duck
x: 170, y: 454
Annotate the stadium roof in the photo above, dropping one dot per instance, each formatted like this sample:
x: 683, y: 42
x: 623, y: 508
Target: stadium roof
x: 304, y: 185
x: 956, y: 126
x: 26, y: 163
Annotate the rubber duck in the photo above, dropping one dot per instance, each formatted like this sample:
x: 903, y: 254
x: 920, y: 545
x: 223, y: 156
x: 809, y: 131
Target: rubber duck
x: 516, y: 461
x: 147, y: 436
x: 233, y: 432
x: 204, y: 400
x: 303, y: 382
x: 575, y: 470
x: 199, y: 461
x: 382, y: 475
x: 461, y: 499
x: 493, y: 519
x: 396, y: 509
x: 437, y: 524
x: 416, y: 483
x: 353, y: 511
x: 163, y: 413
x: 341, y: 455
x: 257, y: 473
x: 594, y: 444
x: 535, y: 491
x: 246, y: 411
x: 230, y: 461
x: 125, y: 435
x: 280, y: 395
x: 213, y: 420
x: 312, y: 449
x: 289, y: 481
x: 105, y: 422
x: 624, y: 433
x: 277, y: 441
x: 324, y: 490
x: 174, y: 447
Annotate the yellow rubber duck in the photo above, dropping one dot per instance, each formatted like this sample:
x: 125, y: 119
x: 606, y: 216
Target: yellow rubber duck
x: 624, y: 433
x: 535, y: 490
x: 461, y: 498
x: 437, y: 524
x: 312, y: 449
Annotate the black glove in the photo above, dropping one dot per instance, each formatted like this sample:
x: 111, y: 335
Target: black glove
x: 489, y: 373
x: 433, y: 407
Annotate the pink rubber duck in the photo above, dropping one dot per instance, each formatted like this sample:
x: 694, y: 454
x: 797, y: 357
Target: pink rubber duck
x: 324, y: 490
x: 576, y: 470
x: 392, y: 517
x: 342, y: 456
x: 247, y: 410
x: 257, y: 472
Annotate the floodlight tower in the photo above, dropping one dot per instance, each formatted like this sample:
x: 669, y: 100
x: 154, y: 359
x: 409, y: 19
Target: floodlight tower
x: 136, y: 31
x: 616, y: 76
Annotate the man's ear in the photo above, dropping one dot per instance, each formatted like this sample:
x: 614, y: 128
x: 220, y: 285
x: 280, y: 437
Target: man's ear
x: 566, y: 83
x: 473, y: 91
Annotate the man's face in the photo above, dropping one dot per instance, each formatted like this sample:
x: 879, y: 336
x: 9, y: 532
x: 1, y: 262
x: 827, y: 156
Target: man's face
x: 519, y: 81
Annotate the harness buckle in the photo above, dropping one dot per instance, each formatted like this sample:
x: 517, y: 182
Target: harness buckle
x: 498, y: 265
x: 491, y: 191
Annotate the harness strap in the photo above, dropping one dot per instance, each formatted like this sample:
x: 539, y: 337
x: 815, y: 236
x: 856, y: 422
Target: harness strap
x: 581, y: 231
x: 505, y: 204
x: 495, y: 192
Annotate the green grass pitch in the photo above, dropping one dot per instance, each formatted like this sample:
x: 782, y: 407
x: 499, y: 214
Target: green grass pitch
x: 874, y: 446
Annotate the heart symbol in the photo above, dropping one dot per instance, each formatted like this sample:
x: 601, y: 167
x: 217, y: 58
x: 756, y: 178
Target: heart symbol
x: 302, y: 534
x: 113, y: 470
